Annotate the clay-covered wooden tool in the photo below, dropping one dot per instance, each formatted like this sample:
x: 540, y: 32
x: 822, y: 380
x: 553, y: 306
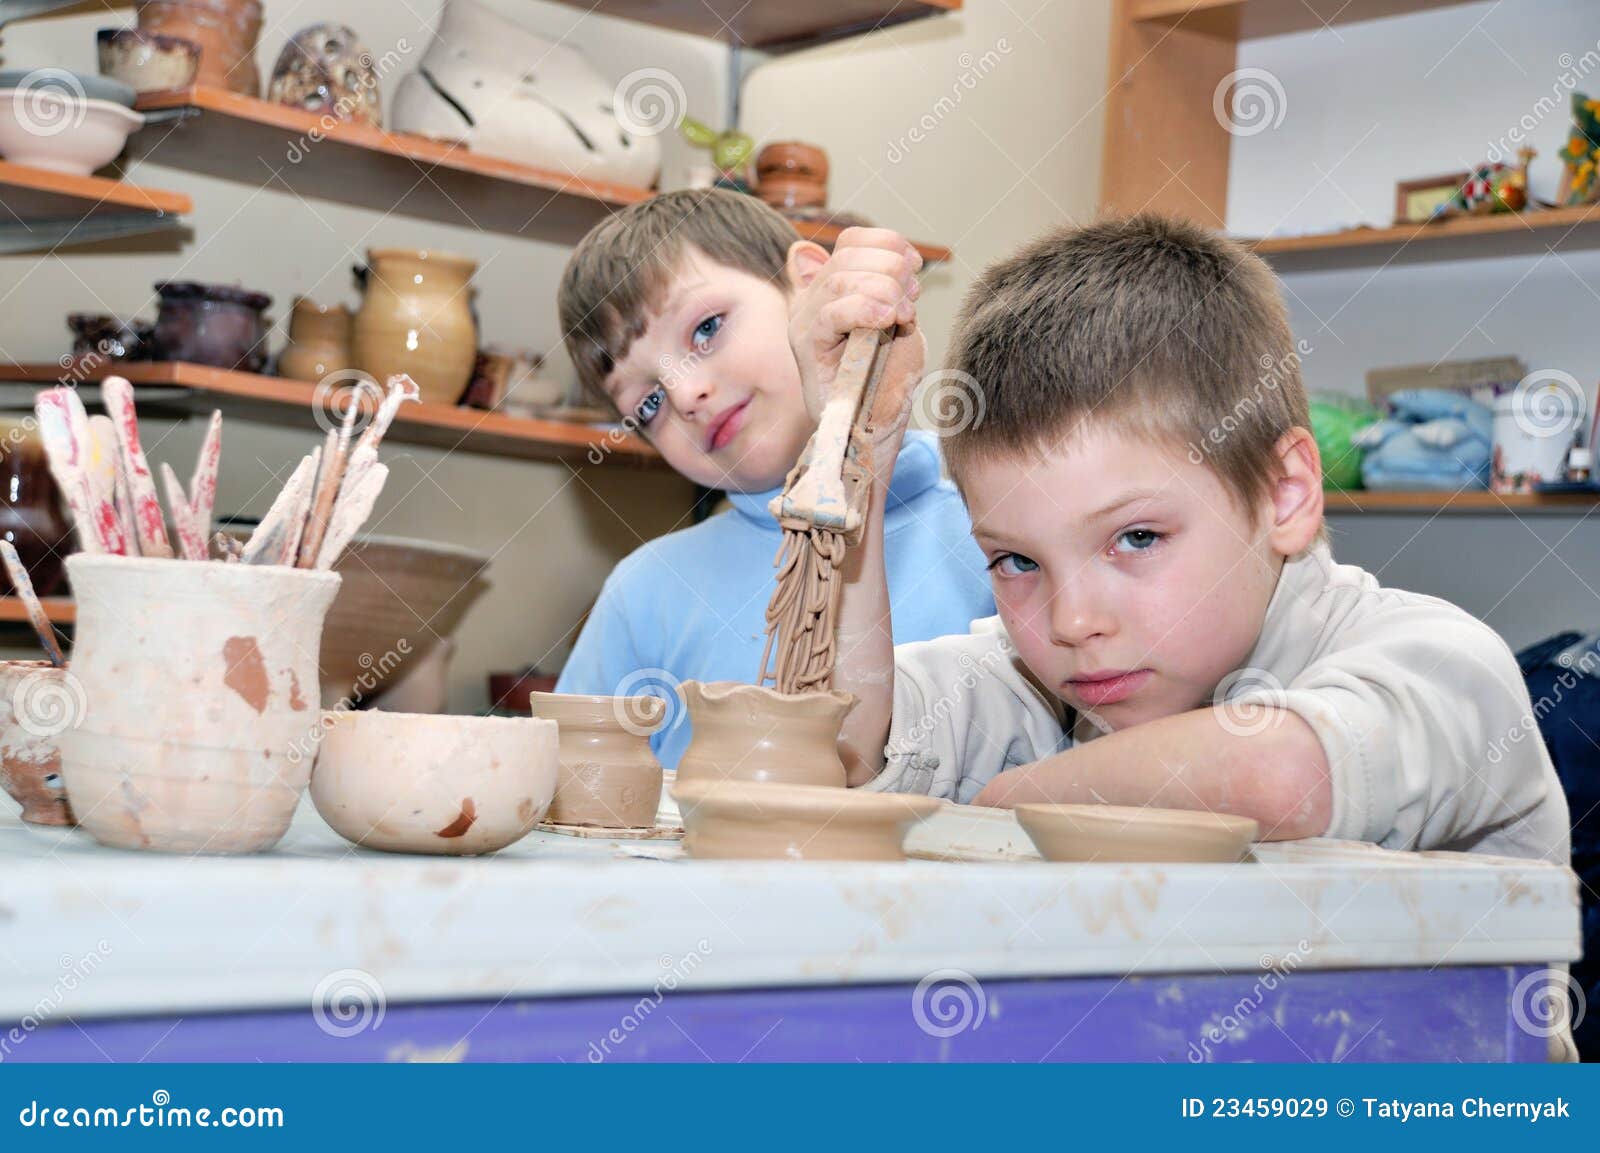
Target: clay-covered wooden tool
x: 149, y: 522
x: 23, y: 585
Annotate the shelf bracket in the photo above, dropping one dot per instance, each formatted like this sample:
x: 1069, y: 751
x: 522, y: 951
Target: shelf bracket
x: 40, y: 235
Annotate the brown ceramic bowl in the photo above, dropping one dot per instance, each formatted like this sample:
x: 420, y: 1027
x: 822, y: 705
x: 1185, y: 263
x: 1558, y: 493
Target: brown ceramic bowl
x: 743, y: 820
x: 793, y: 158
x: 792, y: 192
x: 609, y: 778
x: 1116, y: 833
x: 147, y: 61
x: 36, y: 705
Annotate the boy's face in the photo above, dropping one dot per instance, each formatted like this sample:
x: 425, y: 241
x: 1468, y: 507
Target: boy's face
x: 1129, y: 581
x: 712, y: 381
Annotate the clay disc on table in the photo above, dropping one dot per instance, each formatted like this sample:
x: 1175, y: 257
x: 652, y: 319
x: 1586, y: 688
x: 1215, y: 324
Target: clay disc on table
x: 1122, y: 833
x: 755, y: 821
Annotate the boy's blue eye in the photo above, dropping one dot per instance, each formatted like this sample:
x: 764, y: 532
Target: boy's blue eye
x: 645, y: 411
x: 1012, y: 564
x: 705, y: 330
x: 1139, y: 539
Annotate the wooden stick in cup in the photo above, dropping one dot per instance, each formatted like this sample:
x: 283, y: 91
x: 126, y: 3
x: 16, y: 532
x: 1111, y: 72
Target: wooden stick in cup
x: 148, y: 518
x: 30, y: 599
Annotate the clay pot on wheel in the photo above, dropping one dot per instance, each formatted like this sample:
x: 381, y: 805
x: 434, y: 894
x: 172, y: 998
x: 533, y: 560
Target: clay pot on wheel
x: 609, y: 777
x: 749, y: 733
x: 38, y: 702
x: 416, y: 319
x: 200, y: 699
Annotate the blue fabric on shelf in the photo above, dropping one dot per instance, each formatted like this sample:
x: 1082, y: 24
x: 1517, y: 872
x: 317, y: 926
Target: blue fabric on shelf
x: 1432, y: 439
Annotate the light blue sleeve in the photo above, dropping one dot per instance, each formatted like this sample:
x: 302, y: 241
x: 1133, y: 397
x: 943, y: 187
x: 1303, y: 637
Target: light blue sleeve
x: 604, y: 653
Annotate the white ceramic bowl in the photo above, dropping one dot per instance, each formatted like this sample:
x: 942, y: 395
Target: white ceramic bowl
x: 47, y: 129
x: 414, y: 783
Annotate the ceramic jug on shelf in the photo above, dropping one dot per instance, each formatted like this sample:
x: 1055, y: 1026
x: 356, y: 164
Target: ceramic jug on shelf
x: 416, y: 318
x: 319, y: 340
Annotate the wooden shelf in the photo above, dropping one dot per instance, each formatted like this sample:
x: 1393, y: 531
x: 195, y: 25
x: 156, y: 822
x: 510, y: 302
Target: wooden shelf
x: 274, y: 400
x: 770, y: 24
x: 1473, y: 501
x: 35, y: 194
x: 60, y: 610
x: 244, y: 139
x: 256, y: 141
x: 1250, y: 19
x: 1465, y: 238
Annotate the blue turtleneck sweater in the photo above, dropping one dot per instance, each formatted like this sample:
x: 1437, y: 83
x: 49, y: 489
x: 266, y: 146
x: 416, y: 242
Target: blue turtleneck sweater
x: 692, y: 605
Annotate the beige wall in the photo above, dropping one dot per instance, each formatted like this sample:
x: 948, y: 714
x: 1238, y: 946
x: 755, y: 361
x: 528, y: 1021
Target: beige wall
x: 985, y: 177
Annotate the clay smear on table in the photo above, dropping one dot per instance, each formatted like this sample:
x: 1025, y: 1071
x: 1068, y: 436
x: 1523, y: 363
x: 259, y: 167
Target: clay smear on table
x: 750, y: 821
x: 1120, y: 833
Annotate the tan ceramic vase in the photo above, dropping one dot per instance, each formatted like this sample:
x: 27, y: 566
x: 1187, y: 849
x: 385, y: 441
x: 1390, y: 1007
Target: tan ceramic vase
x: 225, y: 30
x: 319, y: 340
x: 198, y: 695
x: 748, y: 733
x: 38, y: 702
x: 416, y: 319
x: 609, y: 777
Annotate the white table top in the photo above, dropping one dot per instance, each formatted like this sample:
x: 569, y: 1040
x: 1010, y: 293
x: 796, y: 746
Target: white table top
x: 93, y: 931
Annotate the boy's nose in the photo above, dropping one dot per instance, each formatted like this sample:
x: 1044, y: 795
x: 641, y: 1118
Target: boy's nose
x: 692, y: 395
x: 1075, y: 619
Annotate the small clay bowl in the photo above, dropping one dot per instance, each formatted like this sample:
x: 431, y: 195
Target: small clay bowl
x: 147, y: 61
x: 744, y: 820
x: 1122, y: 833
x: 609, y: 778
x: 36, y: 701
x: 415, y: 783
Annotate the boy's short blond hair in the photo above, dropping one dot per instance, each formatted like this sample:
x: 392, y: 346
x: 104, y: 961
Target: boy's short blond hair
x: 619, y: 272
x: 1151, y: 326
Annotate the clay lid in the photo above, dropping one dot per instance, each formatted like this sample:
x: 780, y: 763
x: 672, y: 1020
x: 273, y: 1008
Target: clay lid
x: 1127, y: 833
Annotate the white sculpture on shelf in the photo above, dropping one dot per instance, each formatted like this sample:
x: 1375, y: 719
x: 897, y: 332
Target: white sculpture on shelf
x: 491, y: 84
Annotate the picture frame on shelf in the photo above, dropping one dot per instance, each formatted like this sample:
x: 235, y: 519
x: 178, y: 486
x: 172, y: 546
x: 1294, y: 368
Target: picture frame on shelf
x: 1417, y: 201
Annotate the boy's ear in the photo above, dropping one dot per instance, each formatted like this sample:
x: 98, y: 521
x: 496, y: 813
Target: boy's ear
x: 806, y: 258
x: 1297, y: 504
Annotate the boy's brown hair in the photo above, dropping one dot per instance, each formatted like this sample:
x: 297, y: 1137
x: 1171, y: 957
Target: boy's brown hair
x: 1153, y: 326
x: 619, y: 272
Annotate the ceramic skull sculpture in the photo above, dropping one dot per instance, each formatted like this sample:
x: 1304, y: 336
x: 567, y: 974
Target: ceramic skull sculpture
x: 502, y: 90
x: 324, y: 68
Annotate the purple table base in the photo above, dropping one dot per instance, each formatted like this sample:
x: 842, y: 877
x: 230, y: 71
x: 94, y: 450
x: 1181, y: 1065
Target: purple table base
x: 1446, y: 1014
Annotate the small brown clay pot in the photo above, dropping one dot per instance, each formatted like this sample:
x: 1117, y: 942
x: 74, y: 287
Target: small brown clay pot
x: 225, y: 30
x: 609, y: 777
x: 747, y: 733
x: 792, y: 192
x: 793, y: 158
x: 37, y: 703
x: 319, y: 340
x: 213, y: 324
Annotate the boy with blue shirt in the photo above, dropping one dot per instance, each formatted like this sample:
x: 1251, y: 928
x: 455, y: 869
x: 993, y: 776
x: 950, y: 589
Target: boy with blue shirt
x: 681, y: 312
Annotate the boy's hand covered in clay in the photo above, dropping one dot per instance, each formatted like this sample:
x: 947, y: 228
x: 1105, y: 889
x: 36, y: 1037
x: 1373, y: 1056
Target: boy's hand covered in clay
x: 869, y: 281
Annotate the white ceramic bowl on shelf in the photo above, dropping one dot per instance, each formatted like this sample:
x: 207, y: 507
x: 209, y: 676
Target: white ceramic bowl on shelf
x: 46, y: 128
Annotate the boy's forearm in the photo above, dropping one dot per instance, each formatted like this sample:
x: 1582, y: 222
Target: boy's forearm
x: 865, y: 665
x: 1277, y: 774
